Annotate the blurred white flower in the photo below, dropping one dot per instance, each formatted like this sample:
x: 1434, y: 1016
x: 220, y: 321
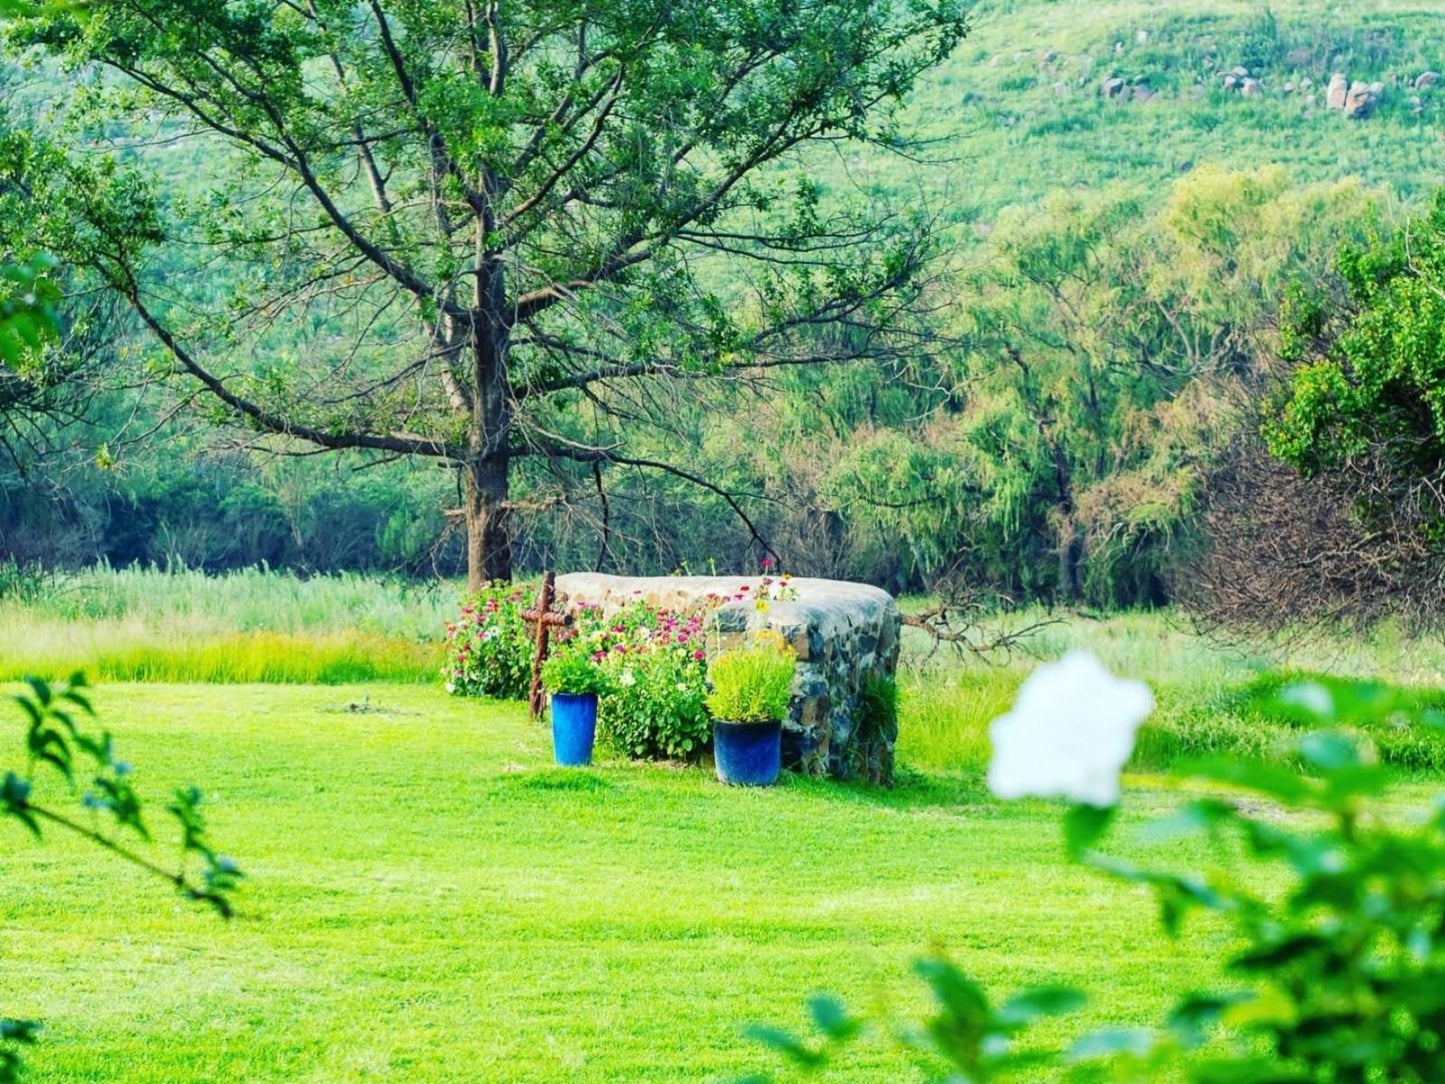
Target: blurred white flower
x: 627, y: 679
x: 451, y: 687
x: 1069, y: 734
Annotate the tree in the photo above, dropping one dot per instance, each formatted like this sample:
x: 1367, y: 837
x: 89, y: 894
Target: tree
x: 1367, y: 395
x: 478, y: 231
x: 1108, y: 350
x: 1339, y: 513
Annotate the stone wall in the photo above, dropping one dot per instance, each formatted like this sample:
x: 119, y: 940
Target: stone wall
x: 842, y: 633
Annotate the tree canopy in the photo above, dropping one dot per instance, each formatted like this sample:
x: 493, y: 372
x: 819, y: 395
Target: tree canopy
x: 490, y: 234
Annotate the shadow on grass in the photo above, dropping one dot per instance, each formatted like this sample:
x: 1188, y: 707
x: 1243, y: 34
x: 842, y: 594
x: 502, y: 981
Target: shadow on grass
x: 912, y: 790
x: 575, y: 780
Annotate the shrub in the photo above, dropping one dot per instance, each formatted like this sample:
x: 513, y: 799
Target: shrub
x: 654, y: 705
x: 752, y: 684
x: 490, y: 648
x: 571, y: 671
x: 656, y: 673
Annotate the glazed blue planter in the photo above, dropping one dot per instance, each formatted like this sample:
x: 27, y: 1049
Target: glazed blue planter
x: 574, y: 728
x: 748, y: 754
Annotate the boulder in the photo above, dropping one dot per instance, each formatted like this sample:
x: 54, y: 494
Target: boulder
x: 1142, y: 37
x: 1426, y: 79
x: 1337, y: 92
x: 1306, y: 83
x: 843, y: 634
x: 1231, y: 81
x: 1361, y: 100
x: 1111, y: 87
x: 1249, y: 87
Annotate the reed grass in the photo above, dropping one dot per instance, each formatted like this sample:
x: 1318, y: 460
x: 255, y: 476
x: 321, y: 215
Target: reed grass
x: 248, y: 626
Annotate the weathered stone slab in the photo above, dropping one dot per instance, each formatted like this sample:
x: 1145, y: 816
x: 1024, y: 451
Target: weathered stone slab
x: 844, y: 634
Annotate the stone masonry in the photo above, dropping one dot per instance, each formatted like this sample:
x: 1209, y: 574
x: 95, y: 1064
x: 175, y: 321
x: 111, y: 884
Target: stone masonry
x: 842, y: 633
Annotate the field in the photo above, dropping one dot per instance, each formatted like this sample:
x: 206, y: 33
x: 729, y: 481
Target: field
x: 427, y: 899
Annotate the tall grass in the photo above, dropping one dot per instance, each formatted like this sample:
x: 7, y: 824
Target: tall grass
x: 248, y: 626
x: 1212, y: 697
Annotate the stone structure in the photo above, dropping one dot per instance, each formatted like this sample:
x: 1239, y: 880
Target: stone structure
x: 843, y: 634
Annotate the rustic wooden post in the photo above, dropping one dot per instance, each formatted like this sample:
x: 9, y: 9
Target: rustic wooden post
x: 545, y: 620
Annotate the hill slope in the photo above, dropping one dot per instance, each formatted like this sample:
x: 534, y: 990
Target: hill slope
x: 1023, y: 107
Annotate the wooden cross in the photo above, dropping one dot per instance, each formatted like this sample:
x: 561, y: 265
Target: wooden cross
x: 545, y: 619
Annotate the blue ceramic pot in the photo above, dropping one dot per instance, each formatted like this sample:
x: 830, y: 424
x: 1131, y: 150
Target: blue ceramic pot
x: 748, y: 754
x: 574, y: 728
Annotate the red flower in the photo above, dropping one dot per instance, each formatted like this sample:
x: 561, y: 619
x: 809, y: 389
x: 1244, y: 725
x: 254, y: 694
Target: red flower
x: 767, y: 562
x: 699, y: 655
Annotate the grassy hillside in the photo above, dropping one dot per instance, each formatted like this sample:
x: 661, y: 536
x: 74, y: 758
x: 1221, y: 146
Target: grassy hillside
x: 1022, y: 109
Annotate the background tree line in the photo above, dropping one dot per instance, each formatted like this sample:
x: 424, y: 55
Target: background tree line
x: 1049, y: 400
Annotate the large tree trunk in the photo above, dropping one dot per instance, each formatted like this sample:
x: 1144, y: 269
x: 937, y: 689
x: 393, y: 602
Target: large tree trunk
x: 489, y: 538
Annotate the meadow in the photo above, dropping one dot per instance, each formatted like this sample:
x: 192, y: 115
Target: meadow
x: 428, y: 899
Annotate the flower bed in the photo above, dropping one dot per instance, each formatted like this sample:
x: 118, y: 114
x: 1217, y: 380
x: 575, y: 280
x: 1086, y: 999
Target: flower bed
x: 654, y: 660
x: 489, y: 647
x: 656, y: 664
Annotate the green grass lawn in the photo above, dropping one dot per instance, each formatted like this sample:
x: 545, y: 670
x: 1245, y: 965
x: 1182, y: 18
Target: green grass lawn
x: 429, y: 900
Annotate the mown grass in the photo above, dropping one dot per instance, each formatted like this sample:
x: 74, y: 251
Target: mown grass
x: 429, y: 900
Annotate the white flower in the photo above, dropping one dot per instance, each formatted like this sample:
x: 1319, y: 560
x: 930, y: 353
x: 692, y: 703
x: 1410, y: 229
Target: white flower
x: 490, y: 634
x: 627, y: 679
x: 1069, y: 734
x: 451, y: 687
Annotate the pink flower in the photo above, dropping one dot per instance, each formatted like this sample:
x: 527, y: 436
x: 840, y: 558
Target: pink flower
x: 699, y: 655
x: 767, y: 562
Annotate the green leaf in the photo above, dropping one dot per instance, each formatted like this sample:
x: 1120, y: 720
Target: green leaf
x: 1111, y: 1042
x: 1270, y: 956
x: 785, y: 1043
x: 41, y: 689
x: 832, y: 1017
x: 1084, y: 825
x: 1329, y: 751
x: 1025, y: 1008
x: 1277, y: 782
x: 959, y: 995
x: 1194, y: 1015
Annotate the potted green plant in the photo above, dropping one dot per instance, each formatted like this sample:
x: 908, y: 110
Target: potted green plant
x: 574, y: 680
x: 748, y: 701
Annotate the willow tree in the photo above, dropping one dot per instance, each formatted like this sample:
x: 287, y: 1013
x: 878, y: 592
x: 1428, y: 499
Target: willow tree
x: 432, y: 228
